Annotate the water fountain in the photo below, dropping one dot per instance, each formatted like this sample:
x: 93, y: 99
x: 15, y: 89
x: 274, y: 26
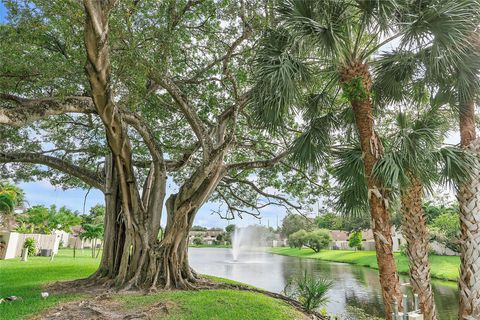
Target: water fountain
x: 247, y: 240
x: 237, y: 240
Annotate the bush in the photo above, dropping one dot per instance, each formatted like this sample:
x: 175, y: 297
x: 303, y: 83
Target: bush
x: 30, y: 246
x: 318, y: 239
x: 311, y: 292
x: 355, y: 240
x: 446, y: 229
x: 297, y: 239
x: 197, y: 240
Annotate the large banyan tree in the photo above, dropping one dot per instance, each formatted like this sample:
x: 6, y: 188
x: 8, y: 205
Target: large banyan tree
x: 147, y: 102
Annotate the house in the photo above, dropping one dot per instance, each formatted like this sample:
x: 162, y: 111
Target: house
x: 277, y: 241
x: 208, y: 236
x: 368, y: 241
x: 339, y: 240
x: 74, y: 240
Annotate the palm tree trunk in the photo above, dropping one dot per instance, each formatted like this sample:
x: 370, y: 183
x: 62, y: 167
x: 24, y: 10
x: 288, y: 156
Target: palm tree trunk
x: 356, y: 81
x: 414, y: 229
x: 469, y: 201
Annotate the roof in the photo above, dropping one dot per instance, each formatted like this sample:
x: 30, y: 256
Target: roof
x: 367, y: 234
x: 339, y: 235
x: 206, y: 233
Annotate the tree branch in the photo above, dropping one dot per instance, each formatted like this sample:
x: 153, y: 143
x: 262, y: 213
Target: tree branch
x: 263, y: 193
x: 148, y: 137
x: 29, y: 110
x: 191, y: 115
x: 259, y: 163
x: 89, y: 177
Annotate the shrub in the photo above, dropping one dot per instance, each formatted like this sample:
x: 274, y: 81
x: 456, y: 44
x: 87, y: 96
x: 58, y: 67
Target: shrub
x: 297, y: 239
x: 355, y: 240
x: 446, y: 229
x: 30, y: 246
x: 197, y: 240
x: 311, y: 292
x: 318, y: 239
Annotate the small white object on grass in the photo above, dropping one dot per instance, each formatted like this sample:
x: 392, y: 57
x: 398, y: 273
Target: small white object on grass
x: 44, y: 295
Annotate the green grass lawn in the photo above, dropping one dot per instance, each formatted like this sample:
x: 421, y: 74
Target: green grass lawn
x: 24, y: 279
x: 214, y: 304
x: 442, y: 267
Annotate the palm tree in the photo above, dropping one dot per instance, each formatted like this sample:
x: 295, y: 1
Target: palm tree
x: 412, y: 162
x: 7, y: 202
x: 467, y: 87
x: 456, y: 78
x: 11, y: 196
x: 93, y: 232
x: 329, y: 46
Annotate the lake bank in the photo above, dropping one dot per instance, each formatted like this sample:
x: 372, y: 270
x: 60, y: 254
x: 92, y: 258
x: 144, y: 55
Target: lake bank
x: 354, y: 286
x: 442, y: 267
x: 26, y: 280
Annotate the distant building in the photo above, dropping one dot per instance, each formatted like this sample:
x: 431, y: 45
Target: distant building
x: 208, y: 236
x: 340, y: 240
x: 74, y: 240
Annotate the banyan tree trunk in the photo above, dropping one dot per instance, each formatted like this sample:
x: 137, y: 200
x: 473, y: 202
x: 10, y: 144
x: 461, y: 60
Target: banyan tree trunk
x: 414, y: 229
x: 133, y: 254
x: 469, y: 201
x: 356, y: 81
x: 166, y: 262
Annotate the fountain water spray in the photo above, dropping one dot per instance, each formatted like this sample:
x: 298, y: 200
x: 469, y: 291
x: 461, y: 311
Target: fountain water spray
x: 248, y: 239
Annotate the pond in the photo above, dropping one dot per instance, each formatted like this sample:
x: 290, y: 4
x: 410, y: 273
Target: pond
x: 353, y: 285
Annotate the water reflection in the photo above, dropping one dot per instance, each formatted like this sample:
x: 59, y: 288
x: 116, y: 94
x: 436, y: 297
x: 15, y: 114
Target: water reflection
x: 353, y: 285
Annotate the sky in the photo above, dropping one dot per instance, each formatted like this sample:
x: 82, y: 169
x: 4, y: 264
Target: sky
x: 42, y: 192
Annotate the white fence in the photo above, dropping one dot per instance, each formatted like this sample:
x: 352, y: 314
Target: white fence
x: 13, y: 242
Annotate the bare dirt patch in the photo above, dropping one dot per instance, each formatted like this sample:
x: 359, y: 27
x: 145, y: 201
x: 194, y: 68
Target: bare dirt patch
x: 104, y: 308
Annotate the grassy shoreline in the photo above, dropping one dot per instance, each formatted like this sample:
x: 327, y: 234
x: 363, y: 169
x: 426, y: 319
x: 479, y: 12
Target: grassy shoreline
x: 442, y: 267
x: 26, y: 279
x: 221, y: 246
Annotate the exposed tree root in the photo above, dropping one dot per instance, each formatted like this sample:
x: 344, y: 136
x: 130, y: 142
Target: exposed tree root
x: 104, y: 308
x: 93, y: 309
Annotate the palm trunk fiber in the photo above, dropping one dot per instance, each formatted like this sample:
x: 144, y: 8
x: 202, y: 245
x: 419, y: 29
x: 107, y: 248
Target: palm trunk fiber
x: 469, y: 201
x: 414, y: 229
x: 356, y: 81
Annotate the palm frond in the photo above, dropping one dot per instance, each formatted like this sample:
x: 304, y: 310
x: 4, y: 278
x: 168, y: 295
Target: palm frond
x: 349, y: 172
x: 455, y: 165
x: 7, y: 203
x: 390, y: 170
x: 395, y: 73
x: 299, y: 15
x: 311, y: 147
x: 379, y: 14
x: 323, y: 23
x: 446, y: 26
x: 279, y: 78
